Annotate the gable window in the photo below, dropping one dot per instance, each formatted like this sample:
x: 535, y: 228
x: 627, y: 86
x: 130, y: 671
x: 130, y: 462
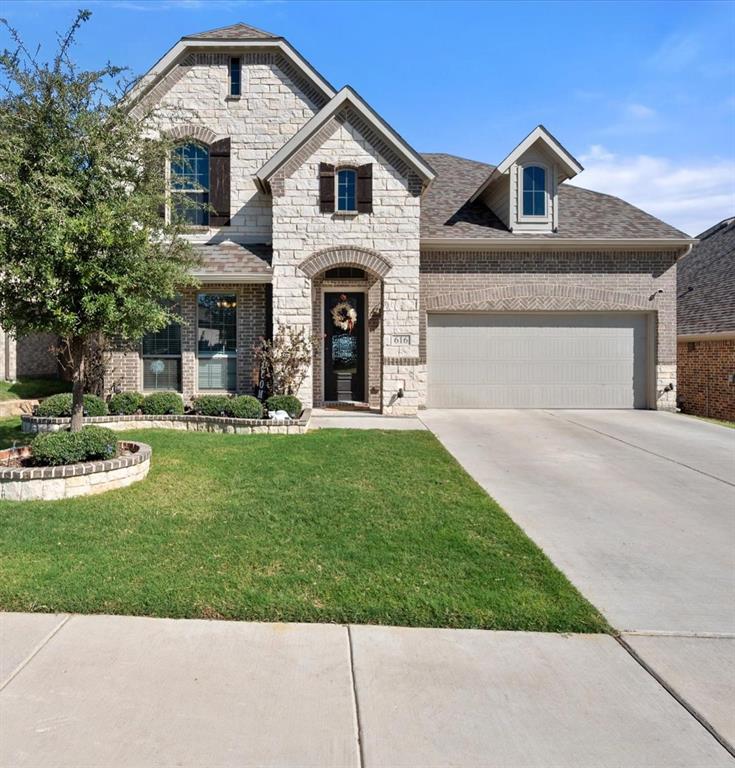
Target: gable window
x: 190, y: 184
x: 347, y: 189
x: 217, y: 341
x: 534, y: 191
x: 235, y: 76
x: 161, y: 357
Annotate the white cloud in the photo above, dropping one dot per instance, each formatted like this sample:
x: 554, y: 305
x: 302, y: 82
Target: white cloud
x: 640, y: 111
x: 692, y: 197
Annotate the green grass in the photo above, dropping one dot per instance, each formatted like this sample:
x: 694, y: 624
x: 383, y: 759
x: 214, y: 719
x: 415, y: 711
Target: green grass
x: 333, y: 526
x: 31, y: 389
x: 721, y: 422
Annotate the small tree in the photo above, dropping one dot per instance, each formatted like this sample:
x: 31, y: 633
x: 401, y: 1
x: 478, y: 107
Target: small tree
x: 284, y: 361
x: 83, y: 246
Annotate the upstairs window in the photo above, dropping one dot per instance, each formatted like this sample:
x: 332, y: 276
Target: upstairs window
x: 190, y: 184
x: 534, y: 191
x: 235, y: 76
x: 347, y: 190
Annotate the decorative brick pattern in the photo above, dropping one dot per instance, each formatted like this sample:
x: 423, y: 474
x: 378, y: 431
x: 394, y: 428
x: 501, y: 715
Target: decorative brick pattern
x: 705, y: 370
x: 339, y: 256
x: 559, y: 281
x: 195, y: 132
x: 70, y: 480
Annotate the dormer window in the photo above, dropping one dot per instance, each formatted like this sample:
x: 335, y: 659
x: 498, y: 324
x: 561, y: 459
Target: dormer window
x: 534, y: 191
x: 347, y: 190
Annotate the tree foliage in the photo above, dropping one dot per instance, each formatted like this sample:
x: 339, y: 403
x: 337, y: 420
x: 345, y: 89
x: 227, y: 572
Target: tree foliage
x: 84, y: 248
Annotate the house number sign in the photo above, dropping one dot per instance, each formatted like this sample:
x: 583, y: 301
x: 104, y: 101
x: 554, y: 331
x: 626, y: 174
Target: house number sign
x: 401, y: 339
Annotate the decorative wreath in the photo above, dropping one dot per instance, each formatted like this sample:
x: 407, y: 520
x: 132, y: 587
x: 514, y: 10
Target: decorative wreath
x: 344, y: 314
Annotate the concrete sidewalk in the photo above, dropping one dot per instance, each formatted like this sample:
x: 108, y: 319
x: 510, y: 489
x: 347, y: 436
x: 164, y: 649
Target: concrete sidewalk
x: 118, y: 691
x: 331, y: 418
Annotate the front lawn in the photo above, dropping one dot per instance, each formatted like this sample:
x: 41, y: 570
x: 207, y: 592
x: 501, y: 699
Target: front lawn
x: 32, y: 389
x: 332, y: 526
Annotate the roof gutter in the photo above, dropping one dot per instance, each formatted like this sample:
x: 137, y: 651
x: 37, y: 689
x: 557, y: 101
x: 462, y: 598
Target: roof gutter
x: 548, y: 244
x: 713, y: 336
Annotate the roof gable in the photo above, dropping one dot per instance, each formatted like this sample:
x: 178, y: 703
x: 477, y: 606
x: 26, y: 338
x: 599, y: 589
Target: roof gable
x: 568, y: 164
x: 346, y: 97
x: 237, y: 31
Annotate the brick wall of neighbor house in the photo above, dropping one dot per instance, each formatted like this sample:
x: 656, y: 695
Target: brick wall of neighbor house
x: 557, y: 281
x: 35, y: 356
x: 705, y: 372
x: 125, y: 369
x: 275, y: 103
x: 392, y: 230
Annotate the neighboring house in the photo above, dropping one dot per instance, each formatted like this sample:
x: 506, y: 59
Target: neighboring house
x: 31, y: 356
x: 706, y: 324
x: 425, y: 279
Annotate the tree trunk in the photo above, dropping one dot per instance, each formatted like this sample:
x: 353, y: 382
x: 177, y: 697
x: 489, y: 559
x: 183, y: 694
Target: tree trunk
x: 77, y: 348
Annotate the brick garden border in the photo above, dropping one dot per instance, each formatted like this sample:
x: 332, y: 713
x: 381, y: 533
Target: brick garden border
x: 71, y: 480
x: 184, y: 422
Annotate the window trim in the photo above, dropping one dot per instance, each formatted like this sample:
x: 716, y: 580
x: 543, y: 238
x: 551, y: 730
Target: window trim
x: 527, y: 217
x: 171, y: 191
x: 232, y: 355
x: 344, y: 211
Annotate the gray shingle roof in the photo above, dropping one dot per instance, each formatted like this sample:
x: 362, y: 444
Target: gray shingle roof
x: 445, y: 212
x: 709, y: 270
x: 237, y: 31
x: 228, y: 258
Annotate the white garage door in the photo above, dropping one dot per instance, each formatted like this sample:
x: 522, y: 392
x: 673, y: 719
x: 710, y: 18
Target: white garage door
x: 537, y: 360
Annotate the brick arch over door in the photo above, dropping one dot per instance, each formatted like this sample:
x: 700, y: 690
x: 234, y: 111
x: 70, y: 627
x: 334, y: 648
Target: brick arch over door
x: 343, y: 256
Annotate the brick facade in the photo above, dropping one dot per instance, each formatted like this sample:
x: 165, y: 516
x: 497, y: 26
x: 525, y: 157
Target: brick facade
x: 705, y: 372
x: 559, y: 281
x: 28, y: 357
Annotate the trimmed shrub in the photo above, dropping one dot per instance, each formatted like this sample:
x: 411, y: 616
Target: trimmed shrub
x: 60, y: 405
x: 211, y: 405
x: 89, y: 444
x: 288, y: 403
x: 125, y: 403
x: 161, y: 403
x: 244, y: 407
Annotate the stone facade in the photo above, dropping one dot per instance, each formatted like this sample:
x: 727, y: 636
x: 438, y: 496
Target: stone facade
x: 560, y: 281
x: 706, y: 375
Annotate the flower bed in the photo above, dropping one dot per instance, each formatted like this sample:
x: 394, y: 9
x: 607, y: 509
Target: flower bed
x: 188, y: 422
x: 19, y: 483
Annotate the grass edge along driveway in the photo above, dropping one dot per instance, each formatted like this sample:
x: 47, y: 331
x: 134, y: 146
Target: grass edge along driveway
x: 346, y: 526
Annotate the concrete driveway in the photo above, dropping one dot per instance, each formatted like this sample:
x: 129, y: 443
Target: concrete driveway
x: 638, y: 509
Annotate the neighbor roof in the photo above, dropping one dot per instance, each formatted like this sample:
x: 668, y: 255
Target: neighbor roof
x: 233, y: 262
x: 237, y: 31
x: 583, y: 214
x: 706, y: 283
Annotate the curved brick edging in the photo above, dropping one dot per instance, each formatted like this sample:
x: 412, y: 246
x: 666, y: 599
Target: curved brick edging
x: 70, y: 480
x: 186, y: 422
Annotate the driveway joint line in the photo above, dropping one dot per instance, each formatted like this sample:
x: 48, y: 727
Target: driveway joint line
x: 32, y: 655
x: 353, y: 679
x: 677, y: 696
x: 640, y: 448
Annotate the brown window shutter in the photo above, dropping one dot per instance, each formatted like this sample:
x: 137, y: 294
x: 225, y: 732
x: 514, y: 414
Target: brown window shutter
x: 365, y: 188
x: 219, y: 183
x: 326, y: 188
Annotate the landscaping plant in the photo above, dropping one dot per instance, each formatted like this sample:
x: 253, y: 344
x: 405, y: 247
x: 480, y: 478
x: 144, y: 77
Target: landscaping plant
x: 244, y: 407
x: 84, y: 248
x: 284, y: 360
x: 126, y: 403
x: 60, y: 406
x: 211, y: 405
x: 162, y: 403
x: 88, y: 444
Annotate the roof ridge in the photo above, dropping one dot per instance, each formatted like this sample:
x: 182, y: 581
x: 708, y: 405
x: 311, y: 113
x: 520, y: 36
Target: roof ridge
x: 238, y: 27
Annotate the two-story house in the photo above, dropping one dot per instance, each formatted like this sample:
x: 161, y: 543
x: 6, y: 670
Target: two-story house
x: 425, y: 280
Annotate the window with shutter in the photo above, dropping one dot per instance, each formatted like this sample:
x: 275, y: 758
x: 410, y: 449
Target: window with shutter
x: 365, y: 188
x: 219, y: 183
x: 326, y: 188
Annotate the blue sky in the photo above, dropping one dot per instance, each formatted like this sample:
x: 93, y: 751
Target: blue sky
x: 643, y: 93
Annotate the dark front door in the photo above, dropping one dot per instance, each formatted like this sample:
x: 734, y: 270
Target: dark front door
x: 344, y: 347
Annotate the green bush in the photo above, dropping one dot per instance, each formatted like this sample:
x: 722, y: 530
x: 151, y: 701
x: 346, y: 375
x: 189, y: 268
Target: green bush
x: 89, y: 444
x: 125, y: 403
x: 288, y: 403
x: 60, y: 405
x: 244, y: 407
x: 160, y: 403
x: 211, y: 405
